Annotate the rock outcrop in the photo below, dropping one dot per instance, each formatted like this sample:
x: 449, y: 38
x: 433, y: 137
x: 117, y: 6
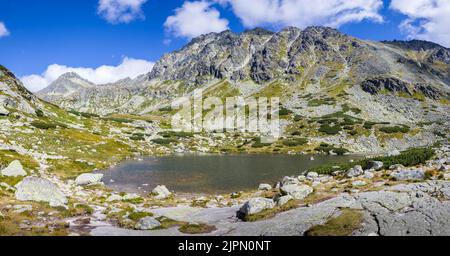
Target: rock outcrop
x: 14, y: 169
x: 40, y: 190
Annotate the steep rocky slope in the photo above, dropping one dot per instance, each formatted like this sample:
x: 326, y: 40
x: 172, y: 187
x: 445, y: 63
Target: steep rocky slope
x: 14, y: 97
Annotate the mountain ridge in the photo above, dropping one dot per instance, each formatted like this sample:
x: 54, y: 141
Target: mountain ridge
x: 317, y: 62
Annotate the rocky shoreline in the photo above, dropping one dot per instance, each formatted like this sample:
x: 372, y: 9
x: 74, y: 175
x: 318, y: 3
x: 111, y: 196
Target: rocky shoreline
x: 390, y: 200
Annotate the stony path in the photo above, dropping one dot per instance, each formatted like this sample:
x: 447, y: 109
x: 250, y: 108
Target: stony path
x: 409, y: 209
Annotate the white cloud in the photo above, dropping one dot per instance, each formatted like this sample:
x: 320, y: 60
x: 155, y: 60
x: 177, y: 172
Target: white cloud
x: 302, y: 13
x: 194, y: 19
x: 121, y: 11
x: 104, y: 74
x: 3, y: 30
x: 427, y: 19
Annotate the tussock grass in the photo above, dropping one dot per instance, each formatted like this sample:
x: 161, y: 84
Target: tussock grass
x: 343, y: 225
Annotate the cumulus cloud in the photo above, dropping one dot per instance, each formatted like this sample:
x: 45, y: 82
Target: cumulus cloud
x: 3, y: 30
x: 121, y: 11
x: 104, y: 74
x: 194, y: 19
x: 302, y: 13
x: 427, y: 19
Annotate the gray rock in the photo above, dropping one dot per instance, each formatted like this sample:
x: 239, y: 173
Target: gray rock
x: 22, y: 208
x: 355, y: 171
x: 444, y: 168
x: 88, y: 179
x: 282, y: 200
x: 147, y: 223
x: 394, y: 153
x: 14, y: 169
x: 3, y: 111
x: 130, y: 197
x: 368, y: 175
x: 265, y: 187
x: 297, y: 191
x: 256, y: 205
x: 376, y: 165
x: 289, y: 181
x: 161, y: 192
x: 301, y: 178
x: 359, y: 183
x: 40, y: 190
x: 312, y: 175
x: 396, y: 167
x: 114, y: 198
x: 405, y: 174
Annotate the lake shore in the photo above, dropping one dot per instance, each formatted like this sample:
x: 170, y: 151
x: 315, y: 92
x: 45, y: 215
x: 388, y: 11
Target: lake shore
x: 93, y: 209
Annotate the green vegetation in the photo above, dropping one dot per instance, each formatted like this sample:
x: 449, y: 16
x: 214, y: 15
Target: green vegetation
x: 322, y: 101
x: 298, y: 118
x: 395, y: 129
x: 169, y: 134
x: 118, y: 119
x: 138, y: 136
x: 343, y: 225
x: 410, y: 157
x: 139, y: 215
x: 258, y: 144
x: 329, y: 129
x: 326, y: 148
x: 197, y: 229
x: 164, y: 141
x: 44, y: 125
x: 295, y: 142
x: 7, y: 156
x: 284, y: 111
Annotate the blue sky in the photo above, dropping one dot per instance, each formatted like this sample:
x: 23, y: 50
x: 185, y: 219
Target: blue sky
x: 77, y: 34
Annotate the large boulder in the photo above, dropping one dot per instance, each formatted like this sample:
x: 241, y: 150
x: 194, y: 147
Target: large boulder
x: 265, y: 187
x: 40, y: 190
x: 282, y: 200
x: 88, y: 179
x: 405, y: 174
x: 289, y: 181
x: 147, y: 223
x: 161, y: 192
x: 297, y: 191
x: 256, y: 205
x: 376, y: 165
x: 14, y: 169
x: 3, y: 111
x: 355, y: 171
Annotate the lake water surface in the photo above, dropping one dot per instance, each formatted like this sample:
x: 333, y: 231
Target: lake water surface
x: 195, y: 173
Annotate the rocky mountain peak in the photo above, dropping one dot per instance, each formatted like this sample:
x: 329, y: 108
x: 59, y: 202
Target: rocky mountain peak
x: 65, y: 85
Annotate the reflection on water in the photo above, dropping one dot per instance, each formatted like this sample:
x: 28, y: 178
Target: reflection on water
x: 192, y: 173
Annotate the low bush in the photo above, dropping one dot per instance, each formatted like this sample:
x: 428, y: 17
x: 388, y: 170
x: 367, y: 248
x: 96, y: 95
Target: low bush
x: 284, y: 111
x: 410, y: 157
x: 258, y: 144
x: 44, y: 125
x: 395, y: 129
x: 139, y: 215
x: 330, y: 130
x: 343, y: 225
x: 168, y: 134
x: 164, y: 141
x: 197, y: 229
x: 295, y: 142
